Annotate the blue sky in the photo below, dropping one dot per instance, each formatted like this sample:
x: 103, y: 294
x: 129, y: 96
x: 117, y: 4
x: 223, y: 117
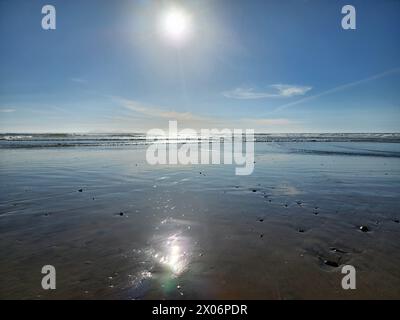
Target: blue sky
x: 275, y: 66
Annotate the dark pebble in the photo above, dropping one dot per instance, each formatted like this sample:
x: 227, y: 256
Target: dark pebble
x: 121, y: 214
x: 301, y: 230
x: 396, y: 220
x: 316, y: 212
x: 261, y: 235
x: 80, y: 190
x: 261, y: 219
x: 254, y: 190
x: 364, y: 229
x: 331, y: 263
x: 286, y: 205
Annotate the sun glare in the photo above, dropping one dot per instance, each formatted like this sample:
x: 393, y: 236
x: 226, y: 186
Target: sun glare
x: 176, y: 25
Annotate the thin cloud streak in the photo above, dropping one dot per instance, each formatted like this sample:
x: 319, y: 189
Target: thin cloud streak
x: 159, y: 113
x: 187, y: 118
x: 276, y: 91
x: 7, y: 110
x: 339, y: 88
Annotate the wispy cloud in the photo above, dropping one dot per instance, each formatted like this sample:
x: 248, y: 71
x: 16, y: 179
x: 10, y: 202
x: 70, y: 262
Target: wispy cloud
x: 157, y: 112
x: 285, y: 90
x: 275, y: 91
x: 339, y: 88
x: 159, y: 116
x: 7, y: 110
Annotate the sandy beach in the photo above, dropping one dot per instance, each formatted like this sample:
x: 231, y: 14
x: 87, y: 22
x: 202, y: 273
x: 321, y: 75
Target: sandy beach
x: 117, y: 228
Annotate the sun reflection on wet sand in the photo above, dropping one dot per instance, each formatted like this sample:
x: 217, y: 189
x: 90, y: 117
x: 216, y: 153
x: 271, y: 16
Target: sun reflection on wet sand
x: 139, y: 278
x: 174, y: 254
x: 163, y: 260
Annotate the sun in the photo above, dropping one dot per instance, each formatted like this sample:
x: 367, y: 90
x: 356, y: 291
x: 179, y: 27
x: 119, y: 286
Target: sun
x: 176, y: 25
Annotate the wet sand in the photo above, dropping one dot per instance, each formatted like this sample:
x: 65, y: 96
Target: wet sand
x: 137, y: 231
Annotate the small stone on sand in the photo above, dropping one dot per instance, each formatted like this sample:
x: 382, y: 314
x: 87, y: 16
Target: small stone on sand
x: 364, y: 228
x: 331, y: 263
